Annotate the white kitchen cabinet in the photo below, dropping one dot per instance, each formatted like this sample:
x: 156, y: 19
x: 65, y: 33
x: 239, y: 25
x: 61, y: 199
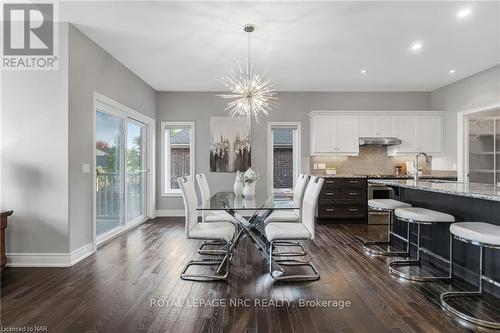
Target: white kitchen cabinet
x: 418, y: 134
x: 430, y: 134
x: 336, y: 134
x: 323, y: 134
x: 348, y: 134
x: 377, y: 126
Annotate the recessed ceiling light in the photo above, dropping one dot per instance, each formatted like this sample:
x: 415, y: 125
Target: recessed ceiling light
x: 464, y: 12
x: 416, y: 46
x: 364, y: 71
x: 452, y: 71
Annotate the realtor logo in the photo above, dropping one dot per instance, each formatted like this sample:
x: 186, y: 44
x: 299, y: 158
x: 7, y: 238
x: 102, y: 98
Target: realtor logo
x: 28, y: 36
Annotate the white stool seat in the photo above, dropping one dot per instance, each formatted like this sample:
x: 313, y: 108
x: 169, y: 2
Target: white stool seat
x: 288, y: 231
x: 388, y: 204
x: 213, y: 230
x: 423, y: 215
x: 481, y: 232
x: 219, y: 216
x: 283, y: 216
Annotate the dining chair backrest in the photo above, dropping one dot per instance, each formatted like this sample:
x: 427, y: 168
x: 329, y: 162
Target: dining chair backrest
x: 300, y: 188
x: 190, y: 202
x: 201, y: 179
x: 309, y: 205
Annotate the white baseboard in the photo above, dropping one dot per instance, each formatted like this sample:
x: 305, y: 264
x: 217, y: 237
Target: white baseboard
x: 169, y: 212
x: 49, y: 259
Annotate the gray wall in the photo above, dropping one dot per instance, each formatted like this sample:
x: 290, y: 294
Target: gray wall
x: 34, y: 161
x: 93, y: 69
x: 294, y: 106
x: 476, y: 91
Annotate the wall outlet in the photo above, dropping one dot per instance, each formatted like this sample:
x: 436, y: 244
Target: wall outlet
x: 85, y: 168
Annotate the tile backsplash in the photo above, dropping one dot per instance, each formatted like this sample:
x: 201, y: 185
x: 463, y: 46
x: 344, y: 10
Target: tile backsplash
x: 371, y: 160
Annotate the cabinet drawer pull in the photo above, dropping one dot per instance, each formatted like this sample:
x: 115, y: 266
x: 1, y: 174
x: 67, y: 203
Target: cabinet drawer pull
x: 353, y: 209
x: 353, y: 193
x: 329, y: 209
x: 329, y: 193
x: 330, y: 182
x: 353, y: 182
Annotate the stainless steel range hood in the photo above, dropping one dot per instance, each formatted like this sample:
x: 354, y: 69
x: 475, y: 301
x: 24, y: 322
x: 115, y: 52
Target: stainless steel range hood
x: 379, y: 141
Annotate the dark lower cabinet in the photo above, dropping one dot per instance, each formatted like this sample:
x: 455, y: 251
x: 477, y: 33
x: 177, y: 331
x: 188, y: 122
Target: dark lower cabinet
x: 343, y: 200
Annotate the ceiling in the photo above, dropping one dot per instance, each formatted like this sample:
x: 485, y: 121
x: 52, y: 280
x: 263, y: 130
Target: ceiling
x: 302, y: 46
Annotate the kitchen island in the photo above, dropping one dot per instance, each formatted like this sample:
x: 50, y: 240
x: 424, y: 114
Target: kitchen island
x: 471, y: 202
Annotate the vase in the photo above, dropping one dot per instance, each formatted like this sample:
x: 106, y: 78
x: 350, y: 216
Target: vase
x: 238, y: 186
x: 249, y: 190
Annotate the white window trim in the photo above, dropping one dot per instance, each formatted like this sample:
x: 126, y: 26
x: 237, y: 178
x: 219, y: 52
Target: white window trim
x: 163, y: 155
x: 297, y: 154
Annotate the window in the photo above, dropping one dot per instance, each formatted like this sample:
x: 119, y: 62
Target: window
x: 283, y: 156
x: 177, y: 154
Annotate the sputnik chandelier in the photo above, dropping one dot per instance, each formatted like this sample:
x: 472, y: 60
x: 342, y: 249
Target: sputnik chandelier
x: 249, y: 93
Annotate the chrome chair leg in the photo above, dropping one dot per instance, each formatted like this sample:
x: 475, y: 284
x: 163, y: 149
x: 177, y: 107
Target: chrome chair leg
x: 367, y: 246
x: 467, y: 294
x: 289, y: 253
x: 212, y: 252
x: 292, y: 262
x: 414, y: 262
x: 219, y: 275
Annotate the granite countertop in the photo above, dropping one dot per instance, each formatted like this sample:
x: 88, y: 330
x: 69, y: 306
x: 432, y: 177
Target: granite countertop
x: 472, y: 190
x: 431, y: 176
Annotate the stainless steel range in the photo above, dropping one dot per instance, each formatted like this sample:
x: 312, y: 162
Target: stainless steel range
x: 377, y: 191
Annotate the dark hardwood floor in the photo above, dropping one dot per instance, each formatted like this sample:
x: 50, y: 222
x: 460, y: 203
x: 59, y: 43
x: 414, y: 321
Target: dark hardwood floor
x: 113, y: 290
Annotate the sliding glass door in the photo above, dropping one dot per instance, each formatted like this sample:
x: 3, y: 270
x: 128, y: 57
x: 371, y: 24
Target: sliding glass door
x: 136, y: 170
x: 109, y: 172
x: 120, y: 170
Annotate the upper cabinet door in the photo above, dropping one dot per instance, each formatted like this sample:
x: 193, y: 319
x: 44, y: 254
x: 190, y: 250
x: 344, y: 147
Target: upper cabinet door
x: 407, y: 133
x: 323, y: 134
x: 377, y: 126
x: 367, y: 126
x: 430, y: 134
x: 386, y: 126
x: 347, y: 134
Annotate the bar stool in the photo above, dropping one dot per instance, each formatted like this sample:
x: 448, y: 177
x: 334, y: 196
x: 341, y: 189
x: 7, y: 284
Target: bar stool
x: 419, y: 216
x: 483, y: 235
x: 386, y: 205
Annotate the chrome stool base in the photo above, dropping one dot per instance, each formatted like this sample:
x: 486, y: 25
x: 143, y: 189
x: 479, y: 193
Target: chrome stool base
x: 416, y: 261
x: 367, y: 246
x: 206, y: 277
x: 407, y: 276
x: 467, y: 294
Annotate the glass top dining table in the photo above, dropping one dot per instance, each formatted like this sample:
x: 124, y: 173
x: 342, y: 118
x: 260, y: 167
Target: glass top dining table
x: 259, y: 207
x: 228, y: 200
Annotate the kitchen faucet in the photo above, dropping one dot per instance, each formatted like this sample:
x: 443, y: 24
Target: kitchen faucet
x: 427, y: 161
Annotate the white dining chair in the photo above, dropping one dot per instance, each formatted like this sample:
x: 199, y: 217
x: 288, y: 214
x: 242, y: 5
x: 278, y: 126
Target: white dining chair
x: 211, y: 216
x: 293, y: 231
x: 222, y: 231
x: 298, y: 195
